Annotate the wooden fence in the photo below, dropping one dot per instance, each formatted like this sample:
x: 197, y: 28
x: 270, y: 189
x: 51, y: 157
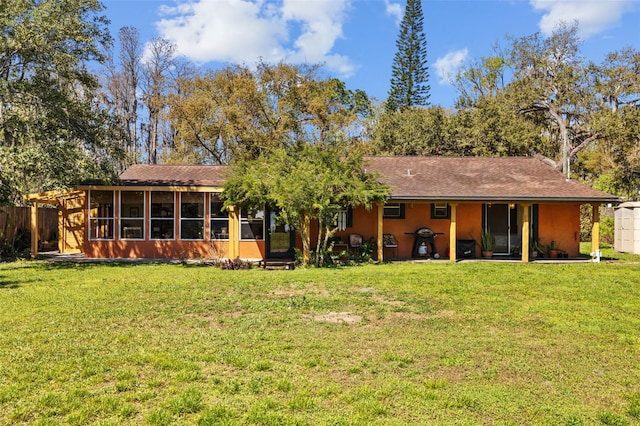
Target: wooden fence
x: 15, y: 220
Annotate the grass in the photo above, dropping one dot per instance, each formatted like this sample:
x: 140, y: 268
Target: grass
x: 437, y: 343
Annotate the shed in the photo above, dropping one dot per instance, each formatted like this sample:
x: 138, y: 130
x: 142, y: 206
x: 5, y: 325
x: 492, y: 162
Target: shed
x: 627, y: 228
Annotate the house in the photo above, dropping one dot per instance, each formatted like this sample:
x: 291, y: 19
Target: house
x: 174, y: 211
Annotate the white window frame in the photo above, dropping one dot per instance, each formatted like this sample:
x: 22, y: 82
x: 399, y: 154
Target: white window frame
x: 111, y: 218
x: 244, y: 220
x: 154, y: 218
x: 140, y: 217
x: 213, y: 196
x: 201, y: 219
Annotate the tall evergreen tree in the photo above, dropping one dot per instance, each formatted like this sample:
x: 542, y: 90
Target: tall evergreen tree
x: 410, y: 74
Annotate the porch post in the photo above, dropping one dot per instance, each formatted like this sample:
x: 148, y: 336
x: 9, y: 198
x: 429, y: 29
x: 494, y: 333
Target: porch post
x: 234, y: 233
x: 595, y: 228
x: 34, y: 230
x: 379, y: 231
x: 306, y: 233
x: 453, y: 231
x: 525, y: 232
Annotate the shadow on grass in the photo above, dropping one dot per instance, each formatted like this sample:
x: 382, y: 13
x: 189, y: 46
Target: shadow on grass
x: 4, y: 283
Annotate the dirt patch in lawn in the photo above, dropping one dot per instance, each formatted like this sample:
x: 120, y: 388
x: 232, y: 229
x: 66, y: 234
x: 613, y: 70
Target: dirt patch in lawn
x: 337, y: 317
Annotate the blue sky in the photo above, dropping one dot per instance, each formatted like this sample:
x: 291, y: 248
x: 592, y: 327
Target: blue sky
x: 355, y: 39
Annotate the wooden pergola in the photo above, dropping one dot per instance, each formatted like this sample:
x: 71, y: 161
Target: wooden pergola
x: 57, y: 198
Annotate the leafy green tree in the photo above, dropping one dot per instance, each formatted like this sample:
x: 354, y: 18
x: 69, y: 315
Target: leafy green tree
x: 613, y: 162
x: 413, y: 131
x: 52, y: 134
x: 494, y: 128
x: 409, y: 72
x: 310, y: 183
x: 238, y: 113
x: 483, y: 79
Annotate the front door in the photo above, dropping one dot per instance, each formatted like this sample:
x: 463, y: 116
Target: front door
x: 280, y: 237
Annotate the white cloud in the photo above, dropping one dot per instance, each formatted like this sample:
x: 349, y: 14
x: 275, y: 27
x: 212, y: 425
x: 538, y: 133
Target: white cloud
x: 243, y: 31
x: 448, y: 65
x: 394, y: 10
x: 593, y: 16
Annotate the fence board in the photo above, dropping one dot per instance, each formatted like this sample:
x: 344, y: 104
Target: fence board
x: 13, y: 219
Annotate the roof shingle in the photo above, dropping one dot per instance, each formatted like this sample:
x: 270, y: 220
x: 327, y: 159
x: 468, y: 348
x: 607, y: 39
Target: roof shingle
x: 479, y: 178
x: 412, y: 177
x: 173, y: 175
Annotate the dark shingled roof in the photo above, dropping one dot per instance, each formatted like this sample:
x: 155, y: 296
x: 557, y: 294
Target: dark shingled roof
x: 429, y: 178
x: 172, y: 175
x: 480, y: 179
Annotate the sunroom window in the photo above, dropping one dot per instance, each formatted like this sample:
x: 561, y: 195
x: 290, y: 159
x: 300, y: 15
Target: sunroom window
x: 251, y: 224
x: 162, y: 215
x: 101, y: 220
x: 132, y: 215
x: 192, y: 216
x: 219, y: 219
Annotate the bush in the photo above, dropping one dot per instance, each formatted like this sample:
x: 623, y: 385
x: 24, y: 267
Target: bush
x: 19, y: 247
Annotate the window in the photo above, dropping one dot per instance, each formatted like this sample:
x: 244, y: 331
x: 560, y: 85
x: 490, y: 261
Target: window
x: 344, y: 218
x: 132, y: 215
x: 393, y: 211
x: 251, y: 224
x: 162, y: 215
x: 219, y: 219
x: 192, y: 216
x: 440, y: 211
x: 101, y: 221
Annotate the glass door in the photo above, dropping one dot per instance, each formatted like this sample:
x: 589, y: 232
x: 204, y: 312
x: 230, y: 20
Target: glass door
x: 497, y: 220
x: 505, y: 223
x: 280, y: 237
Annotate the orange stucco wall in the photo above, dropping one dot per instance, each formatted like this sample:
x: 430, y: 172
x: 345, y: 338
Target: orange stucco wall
x: 418, y: 215
x: 556, y: 222
x: 560, y: 223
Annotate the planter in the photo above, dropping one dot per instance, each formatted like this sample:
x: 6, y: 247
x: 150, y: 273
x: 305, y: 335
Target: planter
x: 487, y: 254
x: 553, y: 254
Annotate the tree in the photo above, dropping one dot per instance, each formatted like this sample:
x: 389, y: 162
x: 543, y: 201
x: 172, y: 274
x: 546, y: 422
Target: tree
x: 494, y: 128
x: 486, y: 78
x: 613, y: 162
x: 413, y: 131
x: 550, y: 82
x: 311, y: 183
x: 52, y: 133
x: 409, y: 73
x: 156, y: 72
x: 119, y: 93
x: 239, y: 113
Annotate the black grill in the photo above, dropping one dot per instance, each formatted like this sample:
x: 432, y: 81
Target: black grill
x: 424, y: 244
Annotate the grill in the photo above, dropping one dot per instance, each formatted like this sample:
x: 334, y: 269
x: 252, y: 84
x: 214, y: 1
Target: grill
x: 424, y: 243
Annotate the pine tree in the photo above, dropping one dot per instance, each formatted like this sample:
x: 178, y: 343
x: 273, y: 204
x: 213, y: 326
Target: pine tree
x: 410, y: 74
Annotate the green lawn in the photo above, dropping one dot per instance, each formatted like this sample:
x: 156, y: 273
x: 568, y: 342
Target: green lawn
x: 437, y: 343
